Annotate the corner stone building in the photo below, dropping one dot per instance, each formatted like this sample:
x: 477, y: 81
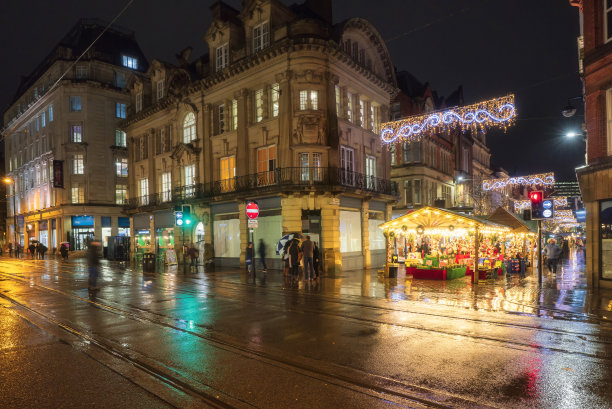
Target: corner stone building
x: 69, y: 111
x: 284, y: 111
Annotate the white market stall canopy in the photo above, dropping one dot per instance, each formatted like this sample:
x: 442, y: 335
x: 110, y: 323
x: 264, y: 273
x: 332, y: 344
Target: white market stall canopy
x: 432, y: 220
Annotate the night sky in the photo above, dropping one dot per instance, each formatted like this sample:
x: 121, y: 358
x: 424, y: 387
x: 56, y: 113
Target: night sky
x: 491, y: 47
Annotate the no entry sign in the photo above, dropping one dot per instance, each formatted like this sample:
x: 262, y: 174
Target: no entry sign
x: 252, y: 210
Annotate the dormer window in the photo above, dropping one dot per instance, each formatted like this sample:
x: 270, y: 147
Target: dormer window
x: 160, y: 89
x: 261, y: 36
x: 221, y: 54
x: 130, y: 62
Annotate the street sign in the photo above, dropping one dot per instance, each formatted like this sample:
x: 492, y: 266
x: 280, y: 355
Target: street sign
x: 253, y: 223
x: 252, y: 210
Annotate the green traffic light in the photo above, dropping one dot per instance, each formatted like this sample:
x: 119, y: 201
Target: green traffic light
x: 187, y: 221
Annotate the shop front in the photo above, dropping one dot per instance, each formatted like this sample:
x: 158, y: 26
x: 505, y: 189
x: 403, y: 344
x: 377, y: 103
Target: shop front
x: 82, y: 231
x: 123, y: 228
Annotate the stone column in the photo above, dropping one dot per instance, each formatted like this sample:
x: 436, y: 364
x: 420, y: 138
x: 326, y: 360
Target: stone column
x: 365, y: 234
x: 97, y: 227
x: 291, y: 212
x: 330, y: 236
x: 285, y: 123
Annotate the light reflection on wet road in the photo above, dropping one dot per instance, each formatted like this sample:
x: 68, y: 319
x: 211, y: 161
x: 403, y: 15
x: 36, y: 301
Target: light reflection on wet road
x: 352, y: 341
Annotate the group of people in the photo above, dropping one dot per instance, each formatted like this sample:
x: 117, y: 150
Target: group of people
x: 308, y: 252
x: 37, y: 250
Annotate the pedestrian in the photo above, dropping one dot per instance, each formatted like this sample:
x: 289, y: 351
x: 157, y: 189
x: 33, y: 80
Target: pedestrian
x: 286, y: 257
x: 565, y: 251
x: 193, y: 254
x: 64, y: 251
x: 17, y: 250
x: 10, y: 247
x: 552, y: 253
x: 294, y: 259
x: 262, y: 255
x: 32, y: 250
x: 250, y: 255
x: 316, y: 260
x: 93, y: 263
x: 41, y: 249
x: 307, y: 255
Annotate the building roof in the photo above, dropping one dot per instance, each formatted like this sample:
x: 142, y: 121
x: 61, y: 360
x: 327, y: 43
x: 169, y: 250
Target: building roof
x: 110, y: 47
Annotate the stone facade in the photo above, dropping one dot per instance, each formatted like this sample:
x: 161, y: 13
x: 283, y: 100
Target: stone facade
x: 69, y: 111
x: 287, y: 107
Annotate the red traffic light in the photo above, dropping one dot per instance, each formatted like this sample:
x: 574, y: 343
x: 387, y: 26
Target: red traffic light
x: 535, y: 196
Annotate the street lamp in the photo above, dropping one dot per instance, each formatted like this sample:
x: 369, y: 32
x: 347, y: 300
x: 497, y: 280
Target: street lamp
x: 9, y: 181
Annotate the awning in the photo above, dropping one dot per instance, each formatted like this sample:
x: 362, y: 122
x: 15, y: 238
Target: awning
x: 433, y: 220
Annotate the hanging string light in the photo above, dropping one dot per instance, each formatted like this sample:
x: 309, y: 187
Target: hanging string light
x: 494, y: 113
x: 544, y: 179
x: 526, y: 204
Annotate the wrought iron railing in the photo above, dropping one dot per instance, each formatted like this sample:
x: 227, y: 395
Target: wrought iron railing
x: 281, y: 178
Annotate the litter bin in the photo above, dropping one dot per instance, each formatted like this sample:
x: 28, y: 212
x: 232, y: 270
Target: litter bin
x: 148, y: 262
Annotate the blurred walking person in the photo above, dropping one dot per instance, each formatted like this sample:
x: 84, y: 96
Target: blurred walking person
x: 93, y: 263
x: 316, y: 260
x: 294, y: 259
x: 262, y: 255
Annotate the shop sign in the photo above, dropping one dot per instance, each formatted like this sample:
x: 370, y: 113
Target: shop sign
x: 82, y: 221
x: 144, y: 232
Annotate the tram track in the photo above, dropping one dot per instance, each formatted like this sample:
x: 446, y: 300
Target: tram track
x: 405, y: 325
x: 377, y: 386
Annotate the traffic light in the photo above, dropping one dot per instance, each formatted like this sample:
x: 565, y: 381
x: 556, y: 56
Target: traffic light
x: 178, y: 218
x: 540, y: 208
x: 187, y: 215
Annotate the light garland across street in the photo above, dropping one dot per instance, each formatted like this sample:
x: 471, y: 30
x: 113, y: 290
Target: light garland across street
x: 543, y: 179
x: 493, y: 113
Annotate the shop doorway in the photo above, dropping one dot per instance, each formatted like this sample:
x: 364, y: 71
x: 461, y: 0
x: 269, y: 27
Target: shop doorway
x: 80, y: 237
x: 311, y: 225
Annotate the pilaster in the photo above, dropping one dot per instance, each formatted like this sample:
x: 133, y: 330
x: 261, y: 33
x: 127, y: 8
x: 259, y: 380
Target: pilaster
x: 330, y: 236
x: 365, y: 234
x: 244, y: 232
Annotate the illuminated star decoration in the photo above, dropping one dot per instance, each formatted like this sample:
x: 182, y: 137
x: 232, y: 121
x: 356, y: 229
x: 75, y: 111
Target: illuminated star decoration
x: 545, y: 179
x: 494, y: 113
x: 526, y: 204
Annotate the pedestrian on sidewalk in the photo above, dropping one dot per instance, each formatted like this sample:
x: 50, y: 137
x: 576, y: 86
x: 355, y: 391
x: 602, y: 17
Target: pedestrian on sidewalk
x: 308, y: 254
x: 316, y: 260
x: 294, y: 259
x: 41, y: 249
x: 93, y: 263
x: 249, y: 257
x: 552, y: 253
x: 262, y: 255
x: 32, y: 250
x: 193, y: 254
x: 10, y: 247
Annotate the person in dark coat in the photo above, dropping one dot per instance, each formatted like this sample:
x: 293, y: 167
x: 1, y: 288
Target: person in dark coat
x: 250, y: 257
x: 32, y: 249
x: 262, y: 255
x: 316, y: 260
x: 294, y: 259
x: 64, y: 252
x: 41, y: 249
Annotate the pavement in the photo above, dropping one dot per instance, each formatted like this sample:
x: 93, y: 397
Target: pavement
x: 222, y: 338
x: 561, y: 296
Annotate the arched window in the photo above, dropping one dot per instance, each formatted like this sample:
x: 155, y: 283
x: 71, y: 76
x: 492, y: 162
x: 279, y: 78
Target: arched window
x: 189, y: 128
x: 199, y: 232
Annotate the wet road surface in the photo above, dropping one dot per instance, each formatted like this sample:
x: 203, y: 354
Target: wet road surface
x: 222, y: 339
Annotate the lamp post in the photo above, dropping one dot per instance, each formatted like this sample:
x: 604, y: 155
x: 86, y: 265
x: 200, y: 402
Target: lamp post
x: 9, y: 181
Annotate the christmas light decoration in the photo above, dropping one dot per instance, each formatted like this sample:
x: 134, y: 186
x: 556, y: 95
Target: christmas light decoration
x: 526, y: 204
x: 494, y: 113
x: 544, y: 179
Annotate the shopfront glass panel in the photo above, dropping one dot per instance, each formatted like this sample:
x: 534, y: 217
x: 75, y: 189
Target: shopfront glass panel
x: 106, y: 232
x: 270, y: 229
x: 350, y: 231
x: 43, y: 237
x: 227, y: 238
x: 123, y: 231
x: 80, y: 236
x: 377, y: 238
x: 605, y: 223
